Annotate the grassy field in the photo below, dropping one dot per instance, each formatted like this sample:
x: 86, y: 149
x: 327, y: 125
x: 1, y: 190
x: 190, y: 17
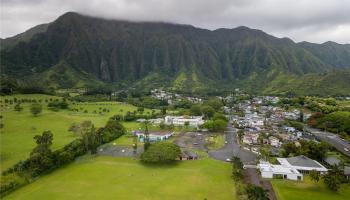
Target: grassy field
x: 292, y: 190
x: 124, y: 178
x: 215, y: 141
x: 20, y: 127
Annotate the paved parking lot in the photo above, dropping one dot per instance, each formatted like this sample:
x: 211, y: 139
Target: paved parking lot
x: 232, y: 148
x: 118, y: 151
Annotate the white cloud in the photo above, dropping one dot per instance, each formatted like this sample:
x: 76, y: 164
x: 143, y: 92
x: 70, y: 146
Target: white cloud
x: 311, y: 20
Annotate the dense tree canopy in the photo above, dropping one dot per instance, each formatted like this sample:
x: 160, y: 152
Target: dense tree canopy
x: 310, y: 149
x: 161, y: 152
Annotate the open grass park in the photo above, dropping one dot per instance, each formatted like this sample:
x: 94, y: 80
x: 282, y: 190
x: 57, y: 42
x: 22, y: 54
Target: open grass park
x: 307, y: 189
x: 128, y: 179
x: 20, y: 127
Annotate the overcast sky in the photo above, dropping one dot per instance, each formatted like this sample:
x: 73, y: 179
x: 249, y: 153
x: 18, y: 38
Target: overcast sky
x: 301, y: 20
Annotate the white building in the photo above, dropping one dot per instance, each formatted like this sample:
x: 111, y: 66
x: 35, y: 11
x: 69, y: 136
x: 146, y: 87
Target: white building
x: 181, y: 120
x: 269, y: 170
x: 290, y: 168
x: 154, y: 136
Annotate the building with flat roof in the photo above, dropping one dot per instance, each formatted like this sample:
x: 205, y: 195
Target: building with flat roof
x: 154, y: 136
x: 303, y: 164
x: 269, y: 170
x: 182, y: 120
x: 291, y: 168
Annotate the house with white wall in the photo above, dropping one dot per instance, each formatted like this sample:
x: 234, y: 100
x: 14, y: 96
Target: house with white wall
x: 291, y: 168
x: 269, y: 170
x: 182, y: 120
x: 275, y: 142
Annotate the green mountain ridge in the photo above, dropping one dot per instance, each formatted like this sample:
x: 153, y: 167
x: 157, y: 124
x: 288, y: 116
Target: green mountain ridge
x: 79, y: 51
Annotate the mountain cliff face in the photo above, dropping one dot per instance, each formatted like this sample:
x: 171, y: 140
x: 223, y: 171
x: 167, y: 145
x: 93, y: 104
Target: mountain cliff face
x: 180, y: 56
x: 334, y: 54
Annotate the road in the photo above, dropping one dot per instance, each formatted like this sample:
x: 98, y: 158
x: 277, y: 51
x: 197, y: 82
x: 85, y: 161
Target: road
x: 231, y: 148
x: 332, y: 139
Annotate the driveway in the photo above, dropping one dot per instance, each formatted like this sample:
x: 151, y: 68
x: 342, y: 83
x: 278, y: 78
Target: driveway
x: 232, y: 148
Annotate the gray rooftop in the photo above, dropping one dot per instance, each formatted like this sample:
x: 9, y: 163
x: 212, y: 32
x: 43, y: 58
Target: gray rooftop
x: 347, y: 170
x: 302, y: 161
x: 332, y: 160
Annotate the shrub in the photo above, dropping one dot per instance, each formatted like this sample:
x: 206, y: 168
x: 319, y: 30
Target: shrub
x: 36, y: 109
x: 58, y: 105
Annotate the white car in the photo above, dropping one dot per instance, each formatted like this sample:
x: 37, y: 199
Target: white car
x: 228, y: 160
x: 346, y: 149
x: 226, y: 142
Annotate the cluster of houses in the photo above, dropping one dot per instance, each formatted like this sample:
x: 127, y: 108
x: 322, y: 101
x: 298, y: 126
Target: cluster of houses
x: 257, y: 117
x: 172, y: 97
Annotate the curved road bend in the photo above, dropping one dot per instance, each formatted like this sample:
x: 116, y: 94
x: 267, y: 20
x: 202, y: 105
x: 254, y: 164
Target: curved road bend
x: 332, y: 139
x: 231, y: 148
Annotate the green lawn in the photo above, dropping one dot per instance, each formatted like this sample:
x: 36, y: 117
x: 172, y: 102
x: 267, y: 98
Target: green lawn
x: 292, y: 190
x: 125, y: 178
x: 20, y: 127
x: 216, y: 141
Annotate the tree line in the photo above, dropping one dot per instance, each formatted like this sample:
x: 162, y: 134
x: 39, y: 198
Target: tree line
x: 43, y: 159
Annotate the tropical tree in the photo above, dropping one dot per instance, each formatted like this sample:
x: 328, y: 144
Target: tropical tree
x: 36, y: 109
x: 134, y: 144
x: 195, y: 110
x: 147, y: 142
x: 161, y: 152
x: 90, y: 137
x: 240, y: 134
x: 265, y: 152
x: 333, y: 178
x: 41, y: 157
x: 237, y: 169
x: 18, y: 107
x: 255, y: 192
x: 208, y: 111
x: 314, y: 175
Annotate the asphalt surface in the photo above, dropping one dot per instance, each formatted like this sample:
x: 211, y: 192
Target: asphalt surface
x: 231, y: 148
x: 332, y: 139
x: 118, y: 151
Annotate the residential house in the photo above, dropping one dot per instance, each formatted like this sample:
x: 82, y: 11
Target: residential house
x: 250, y: 138
x: 275, y: 142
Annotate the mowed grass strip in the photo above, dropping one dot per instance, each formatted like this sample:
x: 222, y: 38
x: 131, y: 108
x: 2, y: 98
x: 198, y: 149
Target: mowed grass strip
x: 16, y: 138
x: 293, y: 190
x: 125, y: 178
